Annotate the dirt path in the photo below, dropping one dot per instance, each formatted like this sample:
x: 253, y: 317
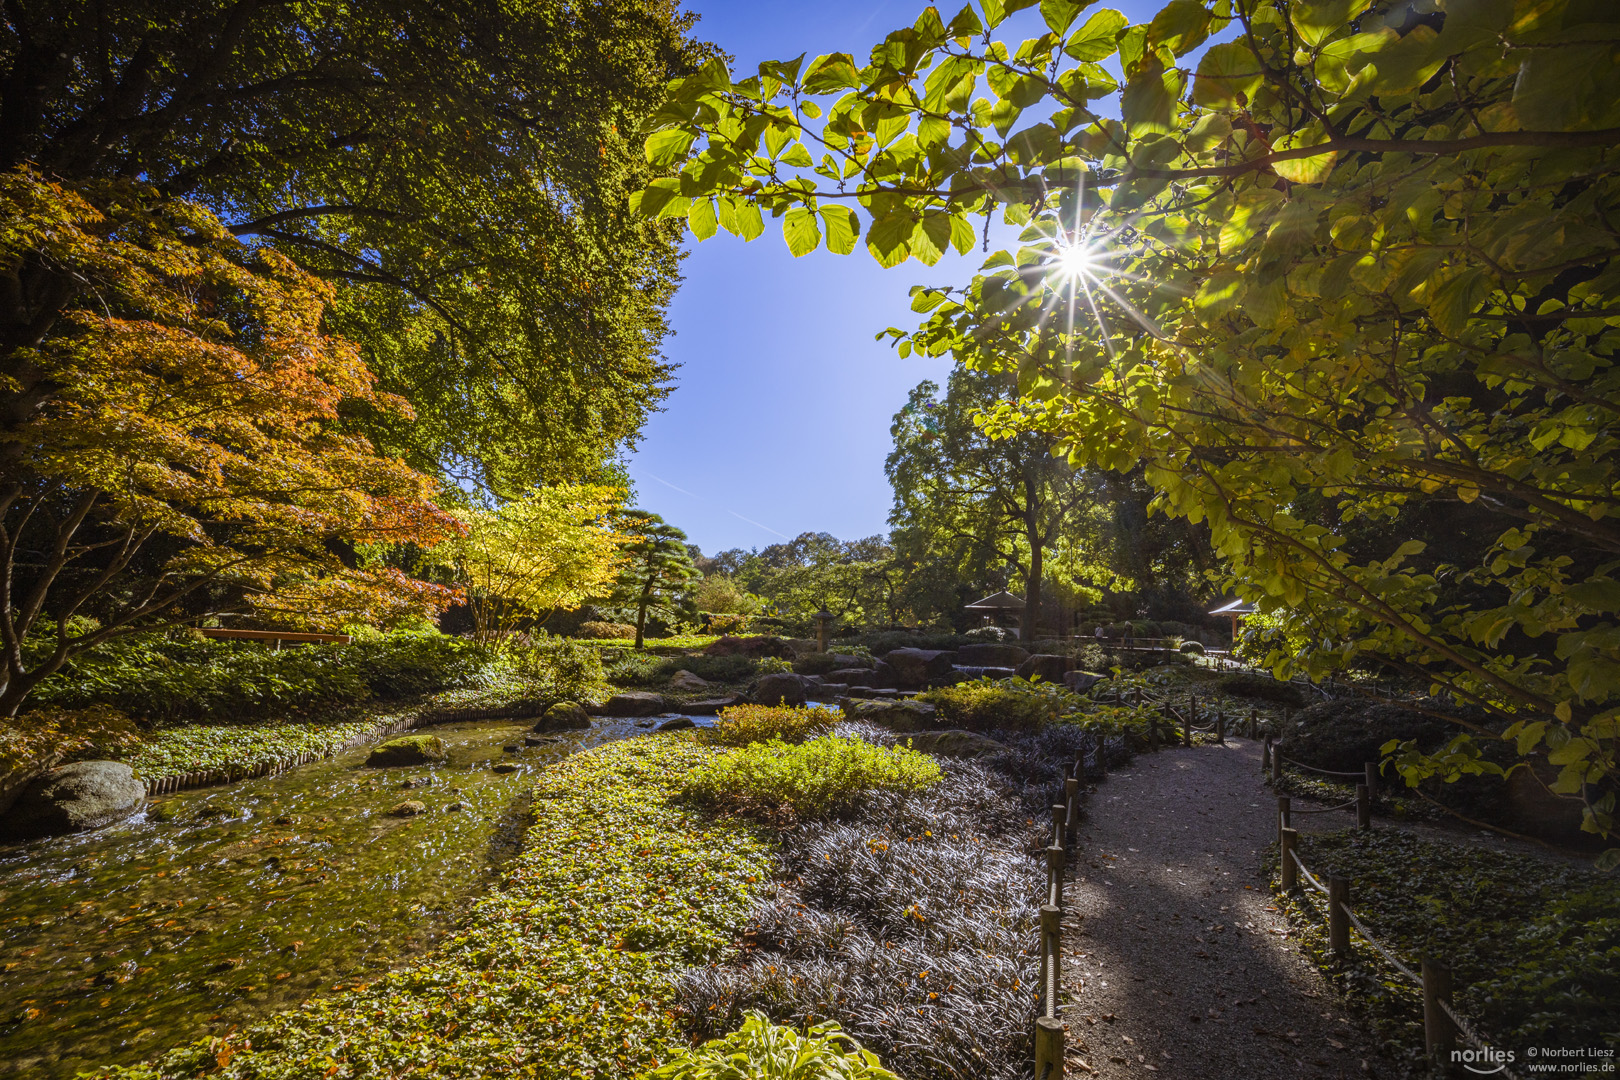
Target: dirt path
x: 1178, y: 966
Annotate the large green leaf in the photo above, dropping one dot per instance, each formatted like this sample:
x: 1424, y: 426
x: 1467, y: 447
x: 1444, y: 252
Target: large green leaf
x: 841, y: 227
x: 1097, y: 39
x: 1180, y: 26
x: 800, y: 231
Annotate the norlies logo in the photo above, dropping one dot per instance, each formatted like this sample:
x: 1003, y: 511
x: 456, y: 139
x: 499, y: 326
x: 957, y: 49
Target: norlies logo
x: 1482, y: 1062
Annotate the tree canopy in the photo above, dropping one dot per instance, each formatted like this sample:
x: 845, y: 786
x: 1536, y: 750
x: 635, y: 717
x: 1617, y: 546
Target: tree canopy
x: 656, y: 570
x: 1348, y: 258
x: 460, y: 168
x: 188, y: 460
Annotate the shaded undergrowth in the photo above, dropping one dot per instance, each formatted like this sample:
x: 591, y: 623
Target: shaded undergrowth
x: 911, y: 923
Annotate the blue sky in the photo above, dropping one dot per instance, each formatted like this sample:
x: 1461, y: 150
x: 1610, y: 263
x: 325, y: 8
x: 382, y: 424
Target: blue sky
x: 779, y: 422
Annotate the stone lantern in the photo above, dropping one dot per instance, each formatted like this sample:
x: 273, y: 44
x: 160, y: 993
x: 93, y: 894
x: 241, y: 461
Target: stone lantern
x: 824, y: 620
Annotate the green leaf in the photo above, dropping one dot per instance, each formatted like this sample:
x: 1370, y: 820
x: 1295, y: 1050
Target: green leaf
x: 1148, y: 102
x: 662, y: 199
x: 666, y: 147
x: 841, y: 227
x: 1059, y: 14
x: 740, y: 217
x: 1180, y: 26
x: 962, y: 234
x: 797, y: 156
x: 1609, y: 860
x: 1317, y: 20
x: 800, y: 231
x: 701, y: 218
x: 835, y: 71
x: 1227, y: 76
x: 1098, y: 38
x: 889, y: 236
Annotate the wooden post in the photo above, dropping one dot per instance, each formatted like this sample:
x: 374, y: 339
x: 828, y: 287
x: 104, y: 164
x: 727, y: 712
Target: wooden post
x: 1371, y: 771
x: 1220, y: 728
x: 1060, y: 823
x: 1363, y: 807
x: 1071, y: 796
x: 1265, y: 757
x: 1439, y: 1033
x: 1276, y: 764
x: 1054, y: 868
x: 1338, y: 921
x: 1102, y: 754
x: 1284, y: 814
x: 1153, y: 733
x: 1048, y: 1048
x: 1186, y: 729
x: 1051, y: 957
x: 1290, y: 873
x: 1254, y: 723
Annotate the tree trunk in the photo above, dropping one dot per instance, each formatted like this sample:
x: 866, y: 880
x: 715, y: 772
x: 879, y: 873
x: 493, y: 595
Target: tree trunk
x: 1032, y: 592
x: 641, y: 615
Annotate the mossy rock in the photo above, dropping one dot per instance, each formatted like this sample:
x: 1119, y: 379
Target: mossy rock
x: 408, y: 750
x: 565, y: 716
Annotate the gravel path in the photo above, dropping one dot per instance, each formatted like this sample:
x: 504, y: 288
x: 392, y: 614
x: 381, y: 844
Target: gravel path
x: 1177, y: 965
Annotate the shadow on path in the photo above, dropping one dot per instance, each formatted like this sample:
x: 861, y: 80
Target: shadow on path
x: 1178, y: 964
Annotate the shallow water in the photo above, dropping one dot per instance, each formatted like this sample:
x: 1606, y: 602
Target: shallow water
x: 118, y: 944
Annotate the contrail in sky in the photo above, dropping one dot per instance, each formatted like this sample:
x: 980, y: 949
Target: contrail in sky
x: 733, y: 513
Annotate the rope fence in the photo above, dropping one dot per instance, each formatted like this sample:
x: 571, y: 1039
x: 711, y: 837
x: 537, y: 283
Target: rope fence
x: 1049, y: 1033
x: 1442, y: 1025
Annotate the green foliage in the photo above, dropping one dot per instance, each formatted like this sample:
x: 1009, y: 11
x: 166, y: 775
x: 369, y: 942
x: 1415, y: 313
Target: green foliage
x: 567, y: 969
x: 821, y: 778
x: 773, y: 665
x: 991, y: 704
x: 562, y: 669
x: 1534, y: 947
x: 1192, y: 648
x: 657, y: 570
x: 1346, y: 296
x: 185, y: 676
x: 761, y: 1050
x: 603, y: 631
x: 741, y: 725
x: 233, y: 747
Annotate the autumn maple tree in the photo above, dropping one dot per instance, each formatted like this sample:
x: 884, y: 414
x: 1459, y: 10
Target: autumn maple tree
x: 1321, y: 269
x: 173, y: 444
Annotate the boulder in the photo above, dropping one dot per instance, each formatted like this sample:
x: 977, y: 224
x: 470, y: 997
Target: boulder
x: 408, y: 750
x: 884, y: 675
x: 872, y: 692
x: 408, y: 808
x: 633, y: 703
x: 952, y: 743
x: 1081, y: 681
x: 915, y: 669
x: 842, y: 660
x: 995, y: 655
x: 968, y: 674
x: 686, y: 680
x: 73, y: 798
x: 901, y: 715
x: 1048, y: 667
x: 676, y: 723
x: 710, y: 706
x: 750, y: 646
x: 541, y: 740
x: 779, y: 688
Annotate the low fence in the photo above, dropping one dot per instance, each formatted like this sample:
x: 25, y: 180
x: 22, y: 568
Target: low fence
x: 1442, y: 1024
x: 1049, y: 1034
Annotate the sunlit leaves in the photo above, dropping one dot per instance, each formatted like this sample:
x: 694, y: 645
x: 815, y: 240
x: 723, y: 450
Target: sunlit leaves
x: 1096, y: 39
x: 800, y: 230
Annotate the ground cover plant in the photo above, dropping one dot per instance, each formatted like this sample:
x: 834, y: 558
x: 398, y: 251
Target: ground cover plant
x: 221, y: 747
x: 565, y: 972
x: 821, y: 778
x: 740, y: 725
x: 639, y: 669
x: 1534, y: 946
x: 761, y: 1050
x: 911, y: 923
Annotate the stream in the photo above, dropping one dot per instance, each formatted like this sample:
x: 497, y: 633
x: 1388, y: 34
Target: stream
x: 218, y: 906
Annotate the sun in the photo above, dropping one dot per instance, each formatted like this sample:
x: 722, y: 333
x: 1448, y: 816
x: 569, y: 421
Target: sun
x: 1076, y: 260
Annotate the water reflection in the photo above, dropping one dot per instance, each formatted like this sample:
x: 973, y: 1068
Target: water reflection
x: 219, y: 906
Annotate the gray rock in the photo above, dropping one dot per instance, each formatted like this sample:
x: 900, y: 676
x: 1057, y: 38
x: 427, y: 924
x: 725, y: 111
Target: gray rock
x: 686, y: 680
x: 1048, y: 667
x: 634, y: 703
x: 541, y: 740
x: 1081, y: 681
x: 901, y: 715
x: 952, y: 743
x: 564, y: 716
x: 915, y: 669
x: 676, y: 724
x: 408, y: 808
x: 73, y: 798
x: 844, y: 660
x: 779, y: 688
x: 872, y: 692
x: 711, y: 706
x: 1008, y: 656
x: 455, y: 807
x: 408, y: 750
x: 884, y: 676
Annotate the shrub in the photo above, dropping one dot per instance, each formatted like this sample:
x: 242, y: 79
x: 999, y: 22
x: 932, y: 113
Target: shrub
x: 821, y: 778
x: 773, y: 665
x: 1248, y: 684
x: 402, y: 665
x: 727, y: 623
x: 987, y: 633
x: 761, y: 1050
x: 816, y: 663
x: 1006, y: 704
x: 1192, y: 648
x: 562, y: 670
x: 744, y: 724
x: 606, y: 631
